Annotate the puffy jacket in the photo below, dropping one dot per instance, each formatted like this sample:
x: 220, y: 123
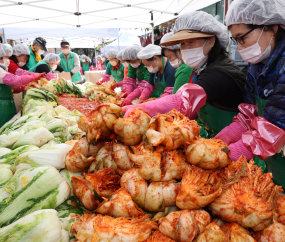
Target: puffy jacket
x: 267, y: 81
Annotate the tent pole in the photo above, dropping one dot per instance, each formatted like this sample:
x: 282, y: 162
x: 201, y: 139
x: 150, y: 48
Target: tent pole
x: 118, y: 39
x: 152, y: 36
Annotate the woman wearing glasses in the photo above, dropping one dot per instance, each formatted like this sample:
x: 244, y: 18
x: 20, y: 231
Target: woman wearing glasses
x: 215, y: 87
x: 257, y: 26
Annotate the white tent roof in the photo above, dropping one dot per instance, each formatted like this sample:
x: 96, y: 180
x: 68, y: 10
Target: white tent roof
x: 125, y: 40
x: 93, y: 13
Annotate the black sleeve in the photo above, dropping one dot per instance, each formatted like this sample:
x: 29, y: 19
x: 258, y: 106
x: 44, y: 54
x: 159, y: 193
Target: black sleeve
x: 42, y: 68
x: 220, y: 88
x: 59, y: 68
x: 169, y: 75
x: 151, y: 78
x: 24, y: 68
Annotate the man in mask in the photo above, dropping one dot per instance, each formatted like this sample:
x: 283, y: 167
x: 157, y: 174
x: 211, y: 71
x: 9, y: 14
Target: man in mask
x: 156, y: 36
x: 70, y: 62
x: 36, y: 50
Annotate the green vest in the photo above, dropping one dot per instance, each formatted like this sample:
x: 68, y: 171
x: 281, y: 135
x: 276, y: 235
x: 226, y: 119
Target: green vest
x: 77, y: 76
x: 118, y: 75
x: 32, y: 60
x: 85, y: 67
x: 7, y: 105
x: 33, y: 69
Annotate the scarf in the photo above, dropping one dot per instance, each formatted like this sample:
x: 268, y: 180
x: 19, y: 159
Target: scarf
x: 38, y: 56
x: 117, y: 66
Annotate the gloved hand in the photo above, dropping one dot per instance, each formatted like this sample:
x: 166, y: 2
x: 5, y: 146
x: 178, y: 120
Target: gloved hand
x: 129, y: 84
x: 247, y: 113
x: 231, y: 133
x: 18, y: 81
x: 264, y: 139
x: 146, y: 92
x: 105, y: 78
x: 50, y: 76
x: 136, y: 93
x: 167, y: 91
x: 188, y: 99
x: 81, y: 71
x: 37, y: 76
x: 238, y: 149
x: 20, y: 72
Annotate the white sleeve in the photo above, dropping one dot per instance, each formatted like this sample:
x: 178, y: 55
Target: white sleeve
x: 76, y: 64
x: 2, y: 75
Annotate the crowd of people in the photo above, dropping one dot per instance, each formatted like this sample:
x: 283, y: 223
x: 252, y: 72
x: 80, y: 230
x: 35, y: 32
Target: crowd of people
x: 190, y: 70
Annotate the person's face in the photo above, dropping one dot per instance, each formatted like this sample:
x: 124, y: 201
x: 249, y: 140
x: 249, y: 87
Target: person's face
x: 37, y: 48
x: 134, y: 62
x: 22, y: 58
x: 65, y: 49
x: 153, y: 63
x: 172, y: 55
x: 198, y: 42
x: 53, y: 65
x: 4, y: 59
x: 250, y: 39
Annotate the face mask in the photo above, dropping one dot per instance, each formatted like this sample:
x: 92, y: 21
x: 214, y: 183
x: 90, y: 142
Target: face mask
x: 151, y: 69
x: 6, y: 62
x: 65, y: 51
x: 194, y: 58
x: 21, y: 63
x: 53, y: 67
x: 126, y: 64
x: 40, y: 52
x: 103, y: 59
x: 253, y: 54
x: 113, y: 63
x: 136, y: 65
x: 176, y: 63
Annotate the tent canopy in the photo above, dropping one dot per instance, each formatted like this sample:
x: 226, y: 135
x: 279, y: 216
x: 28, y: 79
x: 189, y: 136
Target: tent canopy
x: 93, y: 13
x: 125, y: 40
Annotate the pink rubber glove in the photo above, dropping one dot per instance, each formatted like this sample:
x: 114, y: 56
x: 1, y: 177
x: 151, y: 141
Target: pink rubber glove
x: 18, y: 81
x: 37, y: 76
x: 81, y: 70
x: 167, y: 91
x: 231, y: 133
x: 247, y: 112
x: 135, y: 94
x: 20, y: 72
x: 146, y: 92
x: 238, y: 149
x: 50, y: 76
x: 91, y: 68
x: 105, y: 78
x: 129, y: 84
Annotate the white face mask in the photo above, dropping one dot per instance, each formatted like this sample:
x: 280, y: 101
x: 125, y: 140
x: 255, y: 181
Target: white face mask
x: 53, y: 67
x: 151, y: 69
x: 194, y: 58
x: 176, y: 63
x: 21, y: 63
x: 126, y: 64
x: 103, y: 59
x: 40, y: 52
x: 136, y: 65
x: 253, y: 54
x: 6, y: 62
x: 113, y: 63
x: 66, y: 51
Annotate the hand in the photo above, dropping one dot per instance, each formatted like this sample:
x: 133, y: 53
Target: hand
x: 99, y: 82
x: 126, y: 102
x: 119, y: 84
x: 140, y: 100
x: 37, y: 76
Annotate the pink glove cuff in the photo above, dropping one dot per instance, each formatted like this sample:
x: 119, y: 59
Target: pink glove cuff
x: 238, y: 149
x: 147, y: 91
x: 142, y: 85
x: 231, y: 133
x: 16, y: 81
x: 247, y: 113
x: 20, y: 72
x: 50, y: 76
x: 167, y: 91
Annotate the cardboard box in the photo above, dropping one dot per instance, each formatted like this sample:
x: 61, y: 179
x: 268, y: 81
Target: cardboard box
x: 65, y: 75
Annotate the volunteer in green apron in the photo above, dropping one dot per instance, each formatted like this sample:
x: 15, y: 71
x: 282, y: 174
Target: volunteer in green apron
x: 10, y: 83
x: 114, y: 68
x: 36, y: 50
x: 105, y: 60
x: 257, y: 26
x: 48, y: 65
x: 161, y: 72
x: 184, y: 72
x: 85, y: 63
x: 70, y: 62
x: 219, y: 83
x: 137, y: 73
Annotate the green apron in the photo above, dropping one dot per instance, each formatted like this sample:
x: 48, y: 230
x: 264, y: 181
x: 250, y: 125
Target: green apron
x: 33, y: 69
x: 118, y: 75
x: 77, y: 76
x: 7, y: 105
x: 32, y: 60
x: 85, y: 67
x: 276, y: 163
x: 159, y: 86
x: 213, y: 120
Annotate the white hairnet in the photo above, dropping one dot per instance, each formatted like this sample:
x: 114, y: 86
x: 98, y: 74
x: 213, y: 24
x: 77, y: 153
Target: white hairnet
x: 131, y: 52
x: 120, y: 55
x: 20, y: 49
x: 52, y: 58
x: 165, y: 37
x: 98, y: 57
x: 149, y: 51
x: 111, y: 53
x: 103, y: 55
x: 84, y: 56
x: 5, y: 50
x: 257, y: 12
x: 202, y: 22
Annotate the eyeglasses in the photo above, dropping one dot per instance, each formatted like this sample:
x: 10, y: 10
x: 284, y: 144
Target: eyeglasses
x: 240, y: 39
